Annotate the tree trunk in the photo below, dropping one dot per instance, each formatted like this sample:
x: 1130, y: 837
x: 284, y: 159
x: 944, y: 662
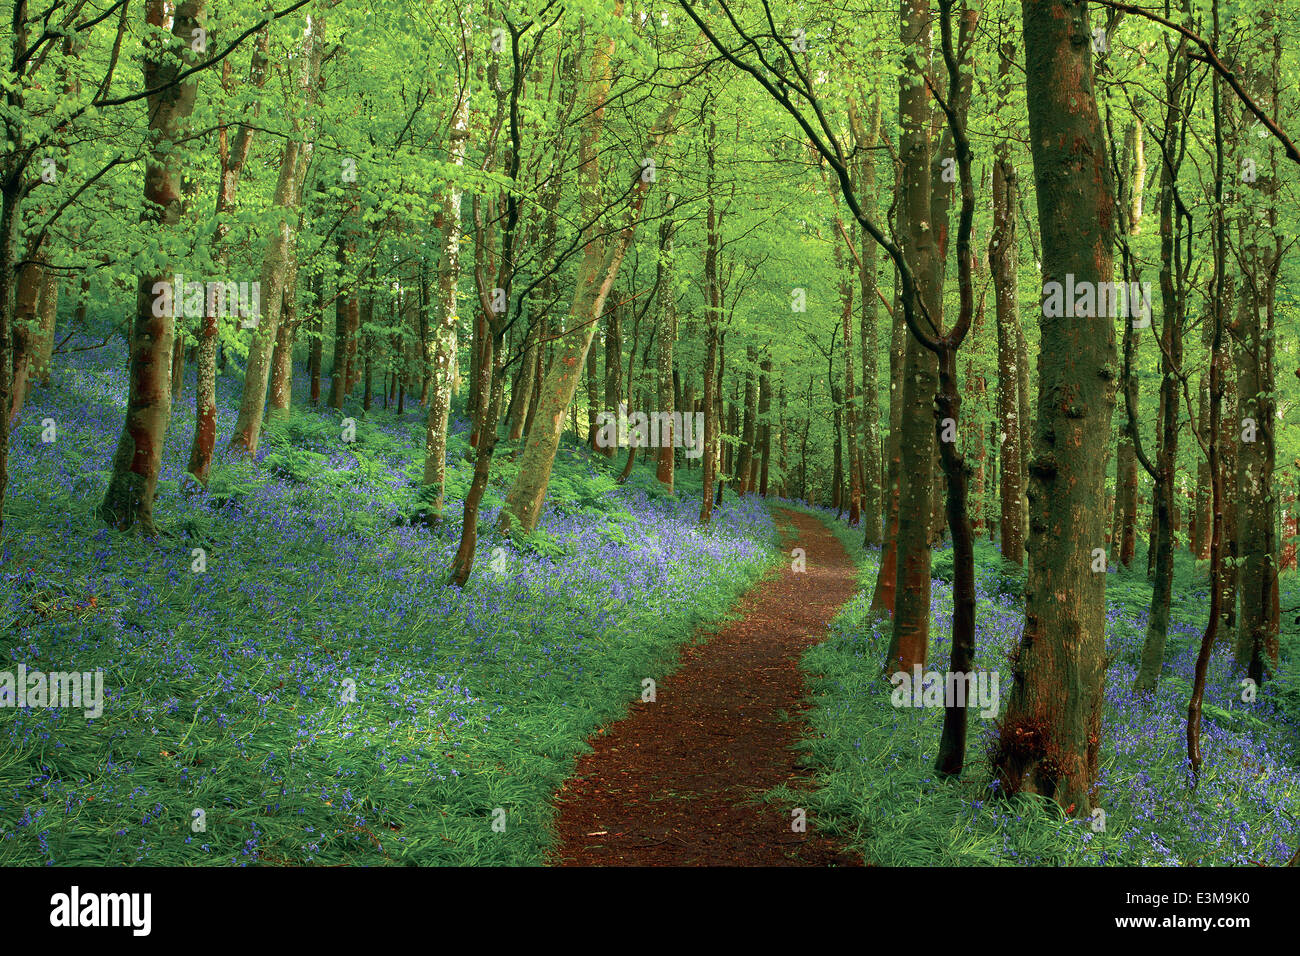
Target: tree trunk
x: 276, y: 265
x: 765, y: 422
x: 667, y: 333
x: 317, y: 359
x: 233, y: 159
x: 1172, y: 299
x: 442, y: 357
x: 128, y: 501
x: 909, y: 640
x: 882, y: 598
x: 866, y: 137
x: 748, y: 431
x: 1004, y: 256
x: 26, y: 323
x: 1257, y: 645
x: 1049, y: 738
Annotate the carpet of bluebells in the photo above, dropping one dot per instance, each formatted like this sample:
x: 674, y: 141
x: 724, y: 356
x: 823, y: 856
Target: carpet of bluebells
x: 876, y: 761
x: 287, y: 678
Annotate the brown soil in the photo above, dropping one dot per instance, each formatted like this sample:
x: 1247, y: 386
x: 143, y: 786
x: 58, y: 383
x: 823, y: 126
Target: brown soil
x: 678, y: 781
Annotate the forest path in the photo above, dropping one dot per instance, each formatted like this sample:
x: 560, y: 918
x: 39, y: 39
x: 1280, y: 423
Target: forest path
x: 677, y: 782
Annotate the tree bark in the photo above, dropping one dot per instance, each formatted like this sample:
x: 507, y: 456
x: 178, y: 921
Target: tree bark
x: 909, y: 639
x: 1050, y: 735
x: 666, y: 317
x: 233, y: 159
x: 442, y: 357
x: 128, y: 501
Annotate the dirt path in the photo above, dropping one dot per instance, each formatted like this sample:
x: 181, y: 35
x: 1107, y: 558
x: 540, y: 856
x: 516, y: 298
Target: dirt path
x: 676, y: 782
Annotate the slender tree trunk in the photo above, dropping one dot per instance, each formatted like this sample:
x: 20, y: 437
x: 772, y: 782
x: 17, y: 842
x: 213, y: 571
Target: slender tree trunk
x: 1172, y: 297
x: 347, y: 316
x: 442, y: 356
x: 233, y: 159
x: 1004, y: 264
x: 748, y: 431
x: 765, y: 421
x: 667, y: 333
x: 866, y: 136
x: 317, y: 359
x: 882, y: 599
x: 1201, y: 539
x: 1125, y: 518
x: 850, y: 394
x: 613, y: 369
x: 276, y: 267
x: 713, y: 312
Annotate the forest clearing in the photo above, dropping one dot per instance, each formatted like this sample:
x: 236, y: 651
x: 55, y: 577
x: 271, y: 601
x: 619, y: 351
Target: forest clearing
x: 699, y: 433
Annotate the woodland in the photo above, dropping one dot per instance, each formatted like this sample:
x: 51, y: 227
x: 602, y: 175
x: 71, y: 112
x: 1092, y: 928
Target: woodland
x: 599, y: 432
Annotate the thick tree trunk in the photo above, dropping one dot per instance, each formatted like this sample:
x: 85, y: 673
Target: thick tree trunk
x: 11, y: 187
x: 48, y: 309
x: 280, y: 398
x: 1257, y: 645
x: 909, y: 640
x: 1050, y: 735
x: 26, y: 323
x: 128, y: 501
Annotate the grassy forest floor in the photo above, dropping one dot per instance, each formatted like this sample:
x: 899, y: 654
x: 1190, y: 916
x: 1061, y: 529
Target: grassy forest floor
x: 226, y: 690
x: 876, y: 761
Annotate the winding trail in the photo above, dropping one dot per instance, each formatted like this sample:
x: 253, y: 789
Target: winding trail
x: 678, y: 781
